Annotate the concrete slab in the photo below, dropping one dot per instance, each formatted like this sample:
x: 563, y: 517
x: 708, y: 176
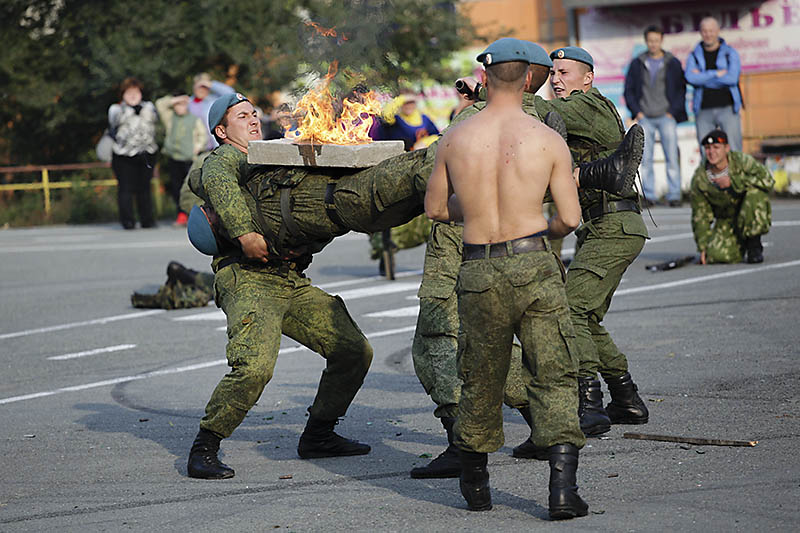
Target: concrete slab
x: 284, y: 152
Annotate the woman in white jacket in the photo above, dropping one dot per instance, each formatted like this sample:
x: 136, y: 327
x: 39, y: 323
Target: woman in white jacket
x: 132, y: 124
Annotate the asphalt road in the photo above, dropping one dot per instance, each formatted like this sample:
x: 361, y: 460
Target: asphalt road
x: 99, y: 402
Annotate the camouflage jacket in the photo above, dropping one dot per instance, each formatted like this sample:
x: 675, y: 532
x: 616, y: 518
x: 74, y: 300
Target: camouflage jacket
x: 528, y: 105
x: 594, y: 130
x: 223, y: 180
x: 709, y: 202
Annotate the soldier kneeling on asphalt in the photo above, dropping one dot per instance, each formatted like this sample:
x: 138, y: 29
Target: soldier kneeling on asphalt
x: 730, y: 203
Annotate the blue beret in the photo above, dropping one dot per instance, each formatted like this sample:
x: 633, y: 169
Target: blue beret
x: 538, y: 55
x: 504, y: 50
x: 200, y: 233
x: 574, y: 53
x: 221, y: 105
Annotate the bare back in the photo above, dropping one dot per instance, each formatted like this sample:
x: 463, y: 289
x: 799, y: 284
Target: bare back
x: 499, y: 163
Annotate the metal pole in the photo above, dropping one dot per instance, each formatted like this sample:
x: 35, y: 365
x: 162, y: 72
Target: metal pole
x: 46, y: 188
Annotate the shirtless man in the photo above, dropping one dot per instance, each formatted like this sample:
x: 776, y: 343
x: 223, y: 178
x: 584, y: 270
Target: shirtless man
x: 510, y: 281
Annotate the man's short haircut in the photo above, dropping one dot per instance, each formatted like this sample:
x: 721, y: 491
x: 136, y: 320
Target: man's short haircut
x: 653, y: 29
x: 709, y: 17
x: 539, y: 75
x: 507, y: 75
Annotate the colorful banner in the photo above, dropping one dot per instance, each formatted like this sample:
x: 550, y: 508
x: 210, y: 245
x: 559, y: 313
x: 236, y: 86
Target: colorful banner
x: 764, y: 33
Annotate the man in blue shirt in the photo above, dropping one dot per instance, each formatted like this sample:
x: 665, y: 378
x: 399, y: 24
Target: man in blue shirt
x: 713, y: 69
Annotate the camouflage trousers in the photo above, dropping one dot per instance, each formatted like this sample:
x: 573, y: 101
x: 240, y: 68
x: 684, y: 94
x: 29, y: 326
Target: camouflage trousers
x: 522, y: 295
x: 259, y: 306
x: 408, y: 235
x: 605, y: 248
x: 435, y: 346
x: 729, y: 234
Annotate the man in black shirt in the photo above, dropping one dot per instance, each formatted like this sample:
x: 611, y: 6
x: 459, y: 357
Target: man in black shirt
x: 713, y: 69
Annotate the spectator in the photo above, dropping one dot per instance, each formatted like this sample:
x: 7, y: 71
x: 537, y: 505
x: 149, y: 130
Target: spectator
x: 713, y: 69
x: 132, y: 124
x: 655, y: 93
x: 403, y: 121
x: 185, y: 138
x: 730, y: 203
x: 206, y: 91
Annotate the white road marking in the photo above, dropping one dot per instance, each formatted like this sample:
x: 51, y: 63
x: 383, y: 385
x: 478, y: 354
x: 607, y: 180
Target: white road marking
x: 96, y: 351
x: 353, y: 294
x: 400, y: 312
x: 167, y: 371
x: 343, y: 283
x: 701, y: 279
x: 366, y: 292
x: 98, y: 246
x: 60, y: 327
x: 209, y: 315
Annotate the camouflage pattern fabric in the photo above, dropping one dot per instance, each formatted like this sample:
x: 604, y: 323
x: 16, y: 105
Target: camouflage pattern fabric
x: 722, y: 219
x: 605, y: 248
x: 435, y: 346
x: 259, y: 306
x: 498, y: 298
x: 594, y: 130
x: 405, y: 236
x: 606, y: 245
x: 370, y: 200
x: 178, y: 295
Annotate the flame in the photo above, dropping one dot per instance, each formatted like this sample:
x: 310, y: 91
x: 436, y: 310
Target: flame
x: 318, y: 123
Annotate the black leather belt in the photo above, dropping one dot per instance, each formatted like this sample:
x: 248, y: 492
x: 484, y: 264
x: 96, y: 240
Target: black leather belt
x: 596, y: 211
x: 522, y: 245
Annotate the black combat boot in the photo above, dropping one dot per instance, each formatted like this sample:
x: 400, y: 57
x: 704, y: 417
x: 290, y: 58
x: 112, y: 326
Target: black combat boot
x: 554, y: 120
x: 564, y: 501
x: 447, y: 463
x: 319, y: 440
x: 528, y: 450
x: 594, y: 420
x: 755, y: 250
x: 626, y: 407
x: 616, y: 173
x: 203, y: 460
x: 474, y: 480
x: 178, y: 272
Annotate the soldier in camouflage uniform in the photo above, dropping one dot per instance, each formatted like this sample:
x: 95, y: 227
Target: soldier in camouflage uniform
x: 730, y: 203
x: 511, y: 287
x: 435, y: 338
x: 611, y: 237
x: 263, y: 296
x: 185, y: 288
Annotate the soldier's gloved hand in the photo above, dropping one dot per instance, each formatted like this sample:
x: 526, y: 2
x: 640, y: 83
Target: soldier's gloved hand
x: 254, y: 246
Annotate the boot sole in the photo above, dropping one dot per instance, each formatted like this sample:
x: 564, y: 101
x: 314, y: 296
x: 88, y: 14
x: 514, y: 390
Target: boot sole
x: 594, y: 431
x: 322, y: 455
x: 566, y: 513
x: 198, y: 475
x: 638, y: 147
x: 631, y: 421
x: 481, y: 508
x: 432, y: 475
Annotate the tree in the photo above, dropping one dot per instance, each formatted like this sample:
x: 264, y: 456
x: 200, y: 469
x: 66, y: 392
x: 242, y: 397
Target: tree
x: 68, y: 57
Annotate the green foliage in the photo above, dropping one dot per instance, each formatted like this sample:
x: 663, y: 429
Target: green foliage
x: 64, y: 59
x: 87, y: 203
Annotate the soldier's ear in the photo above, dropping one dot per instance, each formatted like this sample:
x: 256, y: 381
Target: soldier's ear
x: 219, y: 131
x: 589, y: 78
